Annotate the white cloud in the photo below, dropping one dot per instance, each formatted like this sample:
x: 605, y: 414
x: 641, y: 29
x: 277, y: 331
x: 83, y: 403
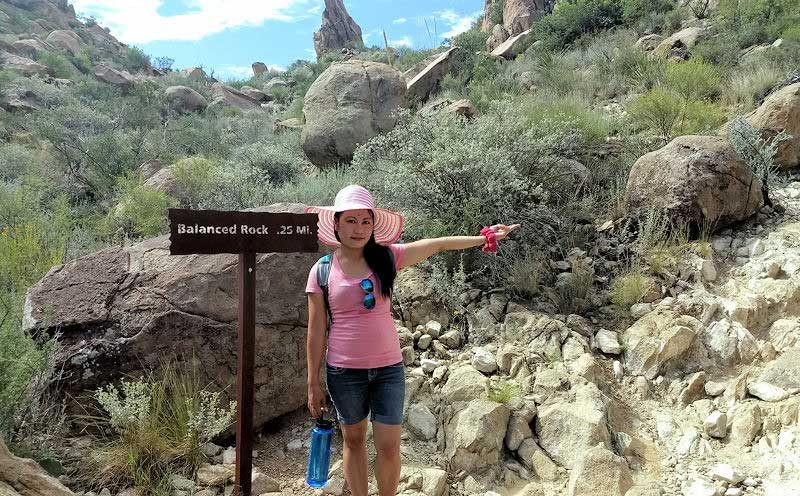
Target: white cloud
x: 456, y: 23
x: 401, y: 20
x: 405, y: 41
x: 138, y: 21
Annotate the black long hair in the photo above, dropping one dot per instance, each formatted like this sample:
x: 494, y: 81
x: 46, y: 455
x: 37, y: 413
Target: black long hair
x: 378, y: 259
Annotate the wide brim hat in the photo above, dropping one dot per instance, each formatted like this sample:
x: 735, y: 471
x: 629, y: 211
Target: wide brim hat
x: 387, y: 227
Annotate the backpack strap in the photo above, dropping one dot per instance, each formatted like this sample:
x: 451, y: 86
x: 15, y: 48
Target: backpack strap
x: 323, y: 271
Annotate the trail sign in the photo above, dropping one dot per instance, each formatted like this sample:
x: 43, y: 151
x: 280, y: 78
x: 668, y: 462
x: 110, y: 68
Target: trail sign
x: 245, y: 234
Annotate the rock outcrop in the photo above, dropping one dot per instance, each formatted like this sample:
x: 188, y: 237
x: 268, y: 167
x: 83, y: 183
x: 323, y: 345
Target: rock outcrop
x: 781, y: 112
x: 698, y: 180
x: 348, y: 104
x: 338, y: 29
x: 24, y: 477
x: 183, y: 99
x: 421, y: 85
x: 124, y: 309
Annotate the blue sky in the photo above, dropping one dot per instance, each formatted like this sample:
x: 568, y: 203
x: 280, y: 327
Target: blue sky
x: 229, y: 35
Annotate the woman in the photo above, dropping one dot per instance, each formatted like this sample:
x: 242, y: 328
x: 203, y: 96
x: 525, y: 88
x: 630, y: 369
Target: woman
x: 364, y: 365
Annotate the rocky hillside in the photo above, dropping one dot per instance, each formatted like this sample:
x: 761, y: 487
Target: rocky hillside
x: 639, y: 336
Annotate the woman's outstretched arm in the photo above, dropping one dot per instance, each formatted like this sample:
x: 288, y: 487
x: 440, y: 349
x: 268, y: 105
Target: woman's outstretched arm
x: 419, y: 250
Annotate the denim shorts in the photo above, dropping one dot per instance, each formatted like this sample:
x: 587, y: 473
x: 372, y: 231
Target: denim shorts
x: 378, y: 392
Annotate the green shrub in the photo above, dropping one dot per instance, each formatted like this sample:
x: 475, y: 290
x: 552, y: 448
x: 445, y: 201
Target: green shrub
x: 658, y: 109
x: 473, y: 47
x: 757, y: 152
x: 277, y: 164
x: 83, y: 62
x: 496, y: 12
x: 135, y: 60
x: 140, y: 210
x: 747, y: 88
x: 572, y: 19
x: 570, y: 110
x: 59, y: 64
x: 575, y: 288
x: 694, y: 79
x: 700, y: 117
x: 504, y: 391
x: 194, y: 176
x: 153, y: 428
x: 634, y: 11
x: 630, y: 288
x: 640, y: 71
x: 528, y: 274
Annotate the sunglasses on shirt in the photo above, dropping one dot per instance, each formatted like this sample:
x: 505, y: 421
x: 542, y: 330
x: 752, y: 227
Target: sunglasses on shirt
x: 369, y: 296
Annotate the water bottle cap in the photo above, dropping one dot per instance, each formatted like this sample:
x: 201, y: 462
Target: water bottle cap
x: 324, y: 423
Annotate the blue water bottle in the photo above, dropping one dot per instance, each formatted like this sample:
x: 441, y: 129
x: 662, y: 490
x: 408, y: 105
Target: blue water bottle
x: 319, y: 454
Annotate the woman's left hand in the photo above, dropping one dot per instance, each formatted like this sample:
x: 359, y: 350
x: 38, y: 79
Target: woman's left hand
x: 502, y: 230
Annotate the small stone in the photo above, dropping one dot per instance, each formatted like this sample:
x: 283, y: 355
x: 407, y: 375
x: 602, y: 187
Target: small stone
x: 639, y: 310
x: 716, y: 425
x: 727, y: 473
x: 408, y: 355
x: 295, y: 444
x: 105, y: 492
x: 439, y: 373
x: 686, y: 442
x: 608, y: 342
x: 484, y: 361
x: 708, y: 271
x: 617, y: 369
x: 715, y: 388
x: 433, y: 329
x: 750, y: 482
x: 424, y: 341
x: 229, y: 456
x: 756, y: 248
x: 733, y: 491
x: 334, y: 486
x: 428, y: 365
x: 774, y: 270
x: 181, y: 483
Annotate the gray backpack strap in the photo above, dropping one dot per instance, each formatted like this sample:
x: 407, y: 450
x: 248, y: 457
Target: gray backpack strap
x: 323, y: 271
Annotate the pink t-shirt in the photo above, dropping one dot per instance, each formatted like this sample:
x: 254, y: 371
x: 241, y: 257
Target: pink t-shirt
x: 359, y: 338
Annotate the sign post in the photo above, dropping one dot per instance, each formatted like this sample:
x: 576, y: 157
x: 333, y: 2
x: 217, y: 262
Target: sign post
x: 245, y: 234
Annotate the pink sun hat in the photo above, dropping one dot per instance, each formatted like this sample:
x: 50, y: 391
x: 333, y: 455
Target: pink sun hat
x: 388, y: 225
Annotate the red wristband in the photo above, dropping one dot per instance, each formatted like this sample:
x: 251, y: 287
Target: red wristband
x: 491, y: 242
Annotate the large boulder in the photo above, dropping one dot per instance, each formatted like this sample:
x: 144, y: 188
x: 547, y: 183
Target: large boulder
x: 66, y: 40
x: 475, y: 435
x: 660, y: 342
x: 23, y: 65
x: 779, y: 379
x: 696, y: 180
x: 24, y: 477
x: 125, y: 309
x: 682, y: 40
x: 259, y: 68
x: 566, y: 429
x: 519, y: 15
x: 598, y: 468
x: 183, y: 99
x: 498, y: 36
x: 781, y: 112
x: 422, y: 84
x: 120, y: 79
x: 228, y: 95
x: 348, y: 104
x: 512, y: 46
x: 464, y: 384
x: 338, y: 29
x: 30, y: 48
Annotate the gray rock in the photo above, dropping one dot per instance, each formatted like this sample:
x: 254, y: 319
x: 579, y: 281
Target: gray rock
x: 716, y: 425
x: 484, y: 361
x: 184, y: 99
x: 421, y: 422
x: 348, y: 104
x: 700, y: 180
x: 338, y: 29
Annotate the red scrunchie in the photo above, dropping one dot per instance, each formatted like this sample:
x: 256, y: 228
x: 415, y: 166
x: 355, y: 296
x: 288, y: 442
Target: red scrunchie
x: 491, y: 242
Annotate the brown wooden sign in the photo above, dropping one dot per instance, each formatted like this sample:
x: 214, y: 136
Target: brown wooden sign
x: 245, y: 233
x: 214, y: 231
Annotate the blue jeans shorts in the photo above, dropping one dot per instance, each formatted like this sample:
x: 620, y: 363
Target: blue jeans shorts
x: 378, y: 392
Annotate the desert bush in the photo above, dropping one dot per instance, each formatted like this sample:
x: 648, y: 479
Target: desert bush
x: 276, y: 161
x: 694, y: 79
x: 634, y: 11
x: 630, y: 288
x: 140, y: 211
x: 135, y: 60
x: 59, y: 64
x: 748, y: 87
x: 659, y: 109
x: 504, y: 391
x: 194, y: 176
x: 757, y: 152
x: 529, y: 273
x: 639, y: 71
x: 154, y: 427
x: 572, y: 19
x: 472, y: 53
x: 573, y: 290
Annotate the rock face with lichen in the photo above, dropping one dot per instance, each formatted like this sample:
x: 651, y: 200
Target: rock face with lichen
x: 124, y: 309
x: 338, y: 29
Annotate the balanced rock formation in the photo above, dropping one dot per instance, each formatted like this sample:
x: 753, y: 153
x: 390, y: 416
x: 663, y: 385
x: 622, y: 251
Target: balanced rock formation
x: 338, y: 29
x: 698, y: 180
x: 228, y: 95
x: 348, y: 104
x: 518, y: 15
x: 781, y: 112
x: 183, y: 99
x: 259, y: 68
x: 124, y: 309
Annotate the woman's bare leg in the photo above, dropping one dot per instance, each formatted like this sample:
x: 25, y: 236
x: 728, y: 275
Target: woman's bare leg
x: 354, y: 458
x: 387, y: 461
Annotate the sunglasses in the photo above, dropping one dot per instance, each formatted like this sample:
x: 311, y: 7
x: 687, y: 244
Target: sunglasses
x: 369, y: 297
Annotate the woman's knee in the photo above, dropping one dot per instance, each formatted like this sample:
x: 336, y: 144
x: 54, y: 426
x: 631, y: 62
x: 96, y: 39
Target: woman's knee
x: 355, y: 436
